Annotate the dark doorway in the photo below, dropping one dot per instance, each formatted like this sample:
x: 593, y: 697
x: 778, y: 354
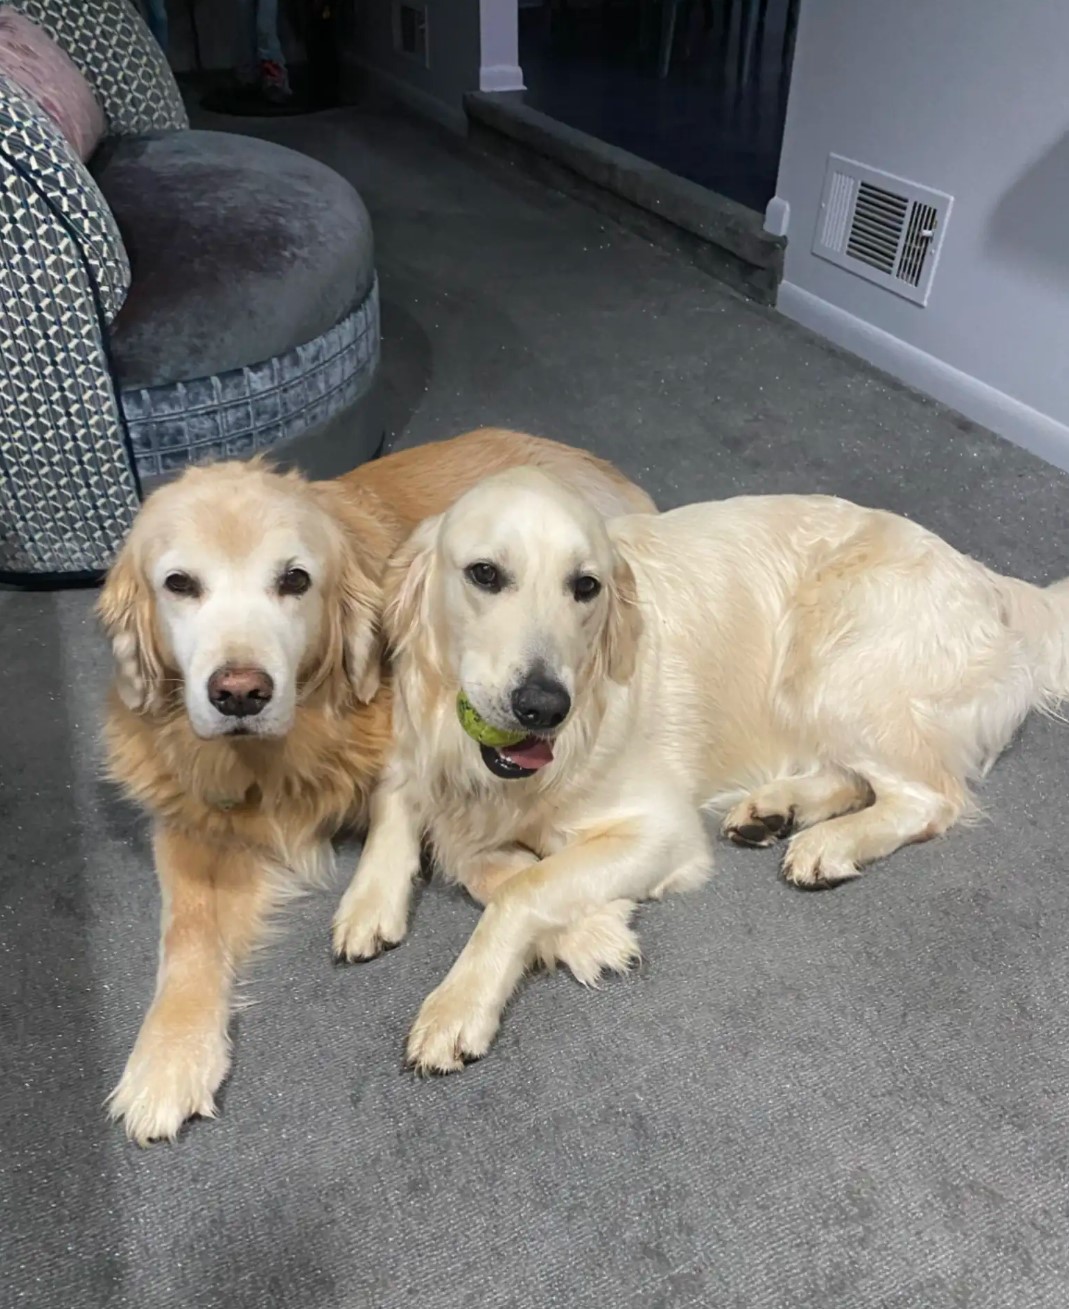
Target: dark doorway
x: 698, y: 87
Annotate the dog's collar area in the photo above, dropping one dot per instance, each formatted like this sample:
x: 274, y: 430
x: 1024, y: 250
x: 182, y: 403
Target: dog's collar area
x: 226, y: 803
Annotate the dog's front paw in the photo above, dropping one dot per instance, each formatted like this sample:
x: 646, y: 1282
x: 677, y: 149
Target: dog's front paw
x: 600, y: 942
x: 368, y: 922
x: 814, y: 861
x: 169, y: 1078
x: 453, y: 1028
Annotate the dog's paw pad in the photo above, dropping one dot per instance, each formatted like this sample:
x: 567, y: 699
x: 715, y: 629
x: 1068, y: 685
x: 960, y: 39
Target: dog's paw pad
x: 752, y: 834
x: 779, y: 825
x: 746, y: 825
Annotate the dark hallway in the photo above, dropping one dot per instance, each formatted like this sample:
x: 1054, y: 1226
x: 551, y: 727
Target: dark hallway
x: 698, y: 87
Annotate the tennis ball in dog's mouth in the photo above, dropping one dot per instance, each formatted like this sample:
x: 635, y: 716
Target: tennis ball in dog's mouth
x: 482, y: 731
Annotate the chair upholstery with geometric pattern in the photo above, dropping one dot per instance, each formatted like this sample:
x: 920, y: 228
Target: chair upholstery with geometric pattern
x: 186, y: 296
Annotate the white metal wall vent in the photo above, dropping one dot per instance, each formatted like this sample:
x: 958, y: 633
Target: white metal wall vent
x: 881, y: 227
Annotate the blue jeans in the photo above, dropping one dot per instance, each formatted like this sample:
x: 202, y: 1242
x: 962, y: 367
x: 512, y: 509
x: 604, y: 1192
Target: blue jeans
x: 256, y: 38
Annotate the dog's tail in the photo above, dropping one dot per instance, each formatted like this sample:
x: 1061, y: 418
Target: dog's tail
x: 1041, y: 617
x: 1057, y: 597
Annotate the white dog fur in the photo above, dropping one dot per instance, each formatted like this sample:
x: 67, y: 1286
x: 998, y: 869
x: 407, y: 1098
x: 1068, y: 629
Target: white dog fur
x: 800, y: 663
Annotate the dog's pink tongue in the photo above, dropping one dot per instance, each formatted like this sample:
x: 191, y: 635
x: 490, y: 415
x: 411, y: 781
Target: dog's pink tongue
x: 532, y: 752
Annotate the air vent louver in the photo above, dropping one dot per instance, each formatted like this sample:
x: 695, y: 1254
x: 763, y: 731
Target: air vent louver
x: 881, y: 227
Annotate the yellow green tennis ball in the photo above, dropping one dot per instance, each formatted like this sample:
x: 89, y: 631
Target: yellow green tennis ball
x: 479, y: 729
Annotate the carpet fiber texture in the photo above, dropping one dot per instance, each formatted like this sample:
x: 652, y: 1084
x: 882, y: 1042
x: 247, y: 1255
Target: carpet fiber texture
x: 830, y: 1101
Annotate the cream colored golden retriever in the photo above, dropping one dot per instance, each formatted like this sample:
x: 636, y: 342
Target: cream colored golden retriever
x: 250, y: 716
x: 813, y: 669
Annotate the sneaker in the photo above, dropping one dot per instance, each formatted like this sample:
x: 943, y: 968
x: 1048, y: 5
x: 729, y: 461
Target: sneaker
x: 275, y: 82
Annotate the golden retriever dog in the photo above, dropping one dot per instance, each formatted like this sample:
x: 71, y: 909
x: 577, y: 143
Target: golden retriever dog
x: 250, y: 716
x: 812, y: 669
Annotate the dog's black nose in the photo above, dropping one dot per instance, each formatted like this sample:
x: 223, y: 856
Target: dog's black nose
x: 541, y: 703
x: 240, y: 692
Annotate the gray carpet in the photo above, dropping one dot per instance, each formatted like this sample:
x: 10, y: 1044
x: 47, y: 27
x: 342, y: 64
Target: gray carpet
x: 858, y: 1098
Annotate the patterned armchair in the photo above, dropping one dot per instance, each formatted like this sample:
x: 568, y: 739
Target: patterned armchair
x: 187, y: 296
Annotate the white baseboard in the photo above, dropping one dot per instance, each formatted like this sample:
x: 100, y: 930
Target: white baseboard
x: 413, y: 97
x: 501, y: 77
x: 1017, y: 422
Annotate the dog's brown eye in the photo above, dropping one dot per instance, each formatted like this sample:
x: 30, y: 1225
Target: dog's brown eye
x: 181, y: 584
x: 294, y: 581
x: 585, y: 587
x: 485, y: 576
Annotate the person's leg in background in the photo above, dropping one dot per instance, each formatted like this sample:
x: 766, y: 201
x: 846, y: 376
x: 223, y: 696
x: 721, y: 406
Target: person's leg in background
x: 274, y: 77
x: 258, y: 56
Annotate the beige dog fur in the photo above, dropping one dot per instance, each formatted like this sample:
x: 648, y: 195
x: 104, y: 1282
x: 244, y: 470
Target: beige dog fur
x: 805, y: 666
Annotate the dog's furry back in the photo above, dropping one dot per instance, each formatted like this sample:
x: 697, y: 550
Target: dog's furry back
x: 785, y: 622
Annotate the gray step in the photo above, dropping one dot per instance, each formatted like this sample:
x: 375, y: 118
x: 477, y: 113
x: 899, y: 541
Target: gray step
x: 719, y: 235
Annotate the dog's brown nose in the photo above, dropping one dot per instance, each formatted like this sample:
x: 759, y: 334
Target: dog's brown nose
x: 240, y: 692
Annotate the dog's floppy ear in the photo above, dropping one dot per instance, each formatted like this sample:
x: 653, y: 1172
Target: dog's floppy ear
x: 355, y: 647
x: 125, y: 610
x: 361, y: 622
x: 623, y: 627
x: 405, y: 585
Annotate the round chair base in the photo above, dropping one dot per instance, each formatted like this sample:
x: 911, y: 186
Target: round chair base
x: 248, y: 411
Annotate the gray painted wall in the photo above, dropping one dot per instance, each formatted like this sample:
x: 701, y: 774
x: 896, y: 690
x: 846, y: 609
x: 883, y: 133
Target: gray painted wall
x: 454, y: 54
x: 473, y: 46
x: 970, y: 97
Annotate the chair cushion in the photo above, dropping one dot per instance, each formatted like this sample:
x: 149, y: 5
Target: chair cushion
x: 30, y: 57
x: 240, y: 250
x: 261, y: 406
